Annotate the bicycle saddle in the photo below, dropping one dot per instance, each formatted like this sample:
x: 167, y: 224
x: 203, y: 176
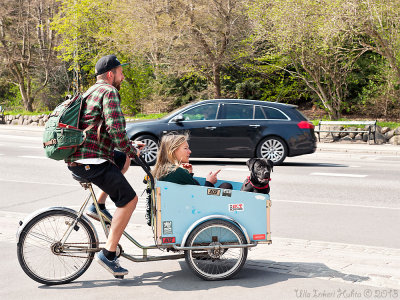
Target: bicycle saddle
x: 80, y: 179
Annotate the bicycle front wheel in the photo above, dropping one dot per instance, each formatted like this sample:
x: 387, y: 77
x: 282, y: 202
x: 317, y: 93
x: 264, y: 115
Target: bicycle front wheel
x: 44, y: 257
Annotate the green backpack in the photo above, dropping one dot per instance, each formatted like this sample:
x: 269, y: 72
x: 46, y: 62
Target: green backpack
x: 61, y: 135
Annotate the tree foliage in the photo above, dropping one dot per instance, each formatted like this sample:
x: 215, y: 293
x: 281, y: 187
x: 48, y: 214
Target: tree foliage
x: 306, y: 34
x: 27, y: 45
x: 83, y: 26
x: 184, y: 36
x: 342, y: 54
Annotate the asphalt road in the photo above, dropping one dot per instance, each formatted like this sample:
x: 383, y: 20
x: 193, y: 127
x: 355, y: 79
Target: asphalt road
x: 333, y: 197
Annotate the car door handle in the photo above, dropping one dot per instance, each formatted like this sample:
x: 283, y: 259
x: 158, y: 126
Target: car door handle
x: 255, y: 126
x: 211, y: 128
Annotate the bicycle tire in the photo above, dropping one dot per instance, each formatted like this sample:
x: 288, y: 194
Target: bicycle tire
x: 216, y: 264
x: 40, y: 256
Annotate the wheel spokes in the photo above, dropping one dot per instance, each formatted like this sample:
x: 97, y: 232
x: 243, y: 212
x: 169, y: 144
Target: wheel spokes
x: 273, y: 150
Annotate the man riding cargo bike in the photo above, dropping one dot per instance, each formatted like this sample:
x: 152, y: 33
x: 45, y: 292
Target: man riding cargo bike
x: 212, y: 228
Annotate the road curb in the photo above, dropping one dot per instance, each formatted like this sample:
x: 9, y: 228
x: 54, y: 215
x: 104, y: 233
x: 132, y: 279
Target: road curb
x: 359, y: 148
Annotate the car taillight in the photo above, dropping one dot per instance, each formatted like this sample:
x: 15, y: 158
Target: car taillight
x: 305, y: 125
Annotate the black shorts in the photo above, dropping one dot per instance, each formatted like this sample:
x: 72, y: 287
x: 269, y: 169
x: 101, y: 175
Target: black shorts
x: 108, y: 177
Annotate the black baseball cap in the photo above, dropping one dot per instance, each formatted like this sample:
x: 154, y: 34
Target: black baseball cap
x: 107, y: 63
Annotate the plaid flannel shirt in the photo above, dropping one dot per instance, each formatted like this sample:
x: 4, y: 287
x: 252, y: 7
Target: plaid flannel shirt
x: 102, y: 102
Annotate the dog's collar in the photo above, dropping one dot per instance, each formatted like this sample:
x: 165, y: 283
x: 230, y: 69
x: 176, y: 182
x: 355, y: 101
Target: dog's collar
x: 256, y: 187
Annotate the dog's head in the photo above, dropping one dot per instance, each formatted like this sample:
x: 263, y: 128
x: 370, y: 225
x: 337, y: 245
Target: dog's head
x: 260, y: 169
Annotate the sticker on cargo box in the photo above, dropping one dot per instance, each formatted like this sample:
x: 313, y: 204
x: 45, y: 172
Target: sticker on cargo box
x: 257, y: 237
x: 168, y: 240
x: 167, y: 227
x: 227, y: 193
x: 213, y: 192
x: 236, y: 207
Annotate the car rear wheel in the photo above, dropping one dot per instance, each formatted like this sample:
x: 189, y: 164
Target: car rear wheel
x: 149, y: 152
x: 272, y: 148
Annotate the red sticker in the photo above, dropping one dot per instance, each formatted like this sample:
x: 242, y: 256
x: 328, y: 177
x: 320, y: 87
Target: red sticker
x: 236, y: 207
x: 258, y: 237
x: 168, y: 240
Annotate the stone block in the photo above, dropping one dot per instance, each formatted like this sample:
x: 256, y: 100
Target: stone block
x: 359, y: 137
x: 385, y: 130
x: 395, y: 140
x: 389, y: 134
x: 27, y: 122
x: 380, y: 138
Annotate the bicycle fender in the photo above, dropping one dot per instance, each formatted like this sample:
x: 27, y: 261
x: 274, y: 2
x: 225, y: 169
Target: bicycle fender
x: 36, y: 213
x: 214, y: 217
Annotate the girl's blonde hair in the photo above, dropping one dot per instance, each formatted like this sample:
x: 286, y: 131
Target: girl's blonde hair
x: 166, y: 160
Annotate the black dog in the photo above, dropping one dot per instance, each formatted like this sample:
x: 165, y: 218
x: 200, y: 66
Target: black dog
x: 260, y: 172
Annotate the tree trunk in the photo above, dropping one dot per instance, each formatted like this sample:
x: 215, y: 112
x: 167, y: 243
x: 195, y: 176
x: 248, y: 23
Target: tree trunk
x: 217, y: 81
x: 26, y: 99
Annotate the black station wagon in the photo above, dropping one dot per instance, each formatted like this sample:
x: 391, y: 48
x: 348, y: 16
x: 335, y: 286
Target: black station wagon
x: 232, y: 128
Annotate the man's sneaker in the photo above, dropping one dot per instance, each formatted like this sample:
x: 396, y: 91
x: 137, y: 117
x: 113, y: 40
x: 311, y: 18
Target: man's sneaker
x: 111, y: 266
x: 91, y: 212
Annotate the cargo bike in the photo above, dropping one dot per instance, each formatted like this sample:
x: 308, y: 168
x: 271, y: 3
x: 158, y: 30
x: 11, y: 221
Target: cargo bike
x: 211, y: 228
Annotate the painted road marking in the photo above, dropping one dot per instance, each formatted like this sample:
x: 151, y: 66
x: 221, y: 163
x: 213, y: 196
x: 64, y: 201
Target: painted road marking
x: 18, y: 137
x: 337, y: 204
x: 236, y: 169
x: 339, y: 175
x: 37, y: 182
x: 31, y: 147
x: 34, y: 157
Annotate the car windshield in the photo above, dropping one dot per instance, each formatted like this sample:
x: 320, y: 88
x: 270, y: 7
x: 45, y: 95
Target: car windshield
x: 176, y: 110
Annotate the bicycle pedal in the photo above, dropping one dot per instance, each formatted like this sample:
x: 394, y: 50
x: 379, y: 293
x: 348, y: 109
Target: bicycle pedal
x: 119, y: 276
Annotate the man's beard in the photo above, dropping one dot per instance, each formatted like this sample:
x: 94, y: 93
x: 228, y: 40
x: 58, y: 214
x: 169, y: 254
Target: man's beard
x: 116, y: 85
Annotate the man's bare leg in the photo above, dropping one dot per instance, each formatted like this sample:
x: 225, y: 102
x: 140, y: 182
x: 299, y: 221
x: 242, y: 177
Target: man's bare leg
x: 119, y: 222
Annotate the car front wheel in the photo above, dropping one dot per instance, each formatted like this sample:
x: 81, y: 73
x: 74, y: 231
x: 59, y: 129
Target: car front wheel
x: 272, y: 148
x: 149, y: 152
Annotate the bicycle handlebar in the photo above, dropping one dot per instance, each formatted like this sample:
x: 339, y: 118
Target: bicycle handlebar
x: 145, y: 166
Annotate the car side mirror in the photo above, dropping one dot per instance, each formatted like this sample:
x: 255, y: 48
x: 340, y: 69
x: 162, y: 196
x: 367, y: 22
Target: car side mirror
x: 178, y: 119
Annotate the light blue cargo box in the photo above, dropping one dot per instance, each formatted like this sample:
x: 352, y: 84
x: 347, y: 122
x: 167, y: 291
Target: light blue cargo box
x: 180, y: 208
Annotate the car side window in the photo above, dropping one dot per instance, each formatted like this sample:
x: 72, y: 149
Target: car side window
x: 237, y: 111
x: 259, y: 113
x: 274, y: 114
x: 202, y: 112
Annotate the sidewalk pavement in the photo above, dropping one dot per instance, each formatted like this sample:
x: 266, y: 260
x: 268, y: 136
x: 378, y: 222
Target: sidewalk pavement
x: 339, y: 147
x: 346, y: 263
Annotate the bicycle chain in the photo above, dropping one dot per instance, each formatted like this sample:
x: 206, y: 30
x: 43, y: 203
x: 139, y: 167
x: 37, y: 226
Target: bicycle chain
x: 91, y: 250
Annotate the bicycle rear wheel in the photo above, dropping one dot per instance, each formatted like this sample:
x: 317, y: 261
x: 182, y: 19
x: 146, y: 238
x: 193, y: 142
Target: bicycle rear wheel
x: 216, y: 264
x: 41, y: 254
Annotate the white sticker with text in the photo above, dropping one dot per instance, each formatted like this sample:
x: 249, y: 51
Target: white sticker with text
x: 236, y: 207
